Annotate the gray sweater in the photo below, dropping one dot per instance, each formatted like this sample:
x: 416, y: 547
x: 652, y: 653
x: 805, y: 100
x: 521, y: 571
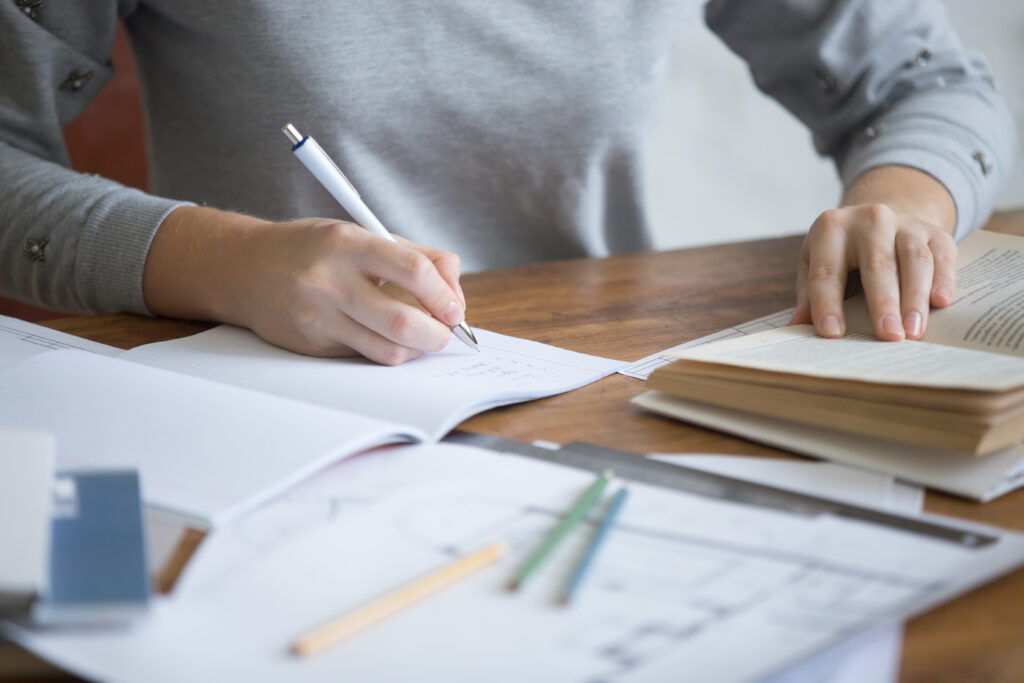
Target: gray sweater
x: 507, y: 132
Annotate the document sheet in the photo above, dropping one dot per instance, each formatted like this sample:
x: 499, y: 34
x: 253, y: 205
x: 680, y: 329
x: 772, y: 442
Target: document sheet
x: 203, y: 449
x: 643, y: 368
x: 20, y: 340
x: 433, y: 393
x: 981, y: 478
x: 860, y: 357
x: 220, y: 421
x: 719, y: 591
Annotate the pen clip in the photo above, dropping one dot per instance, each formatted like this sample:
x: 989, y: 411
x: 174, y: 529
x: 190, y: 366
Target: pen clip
x: 349, y: 182
x: 329, y: 160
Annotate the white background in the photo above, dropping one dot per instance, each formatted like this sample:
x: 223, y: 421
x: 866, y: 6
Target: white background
x: 727, y: 163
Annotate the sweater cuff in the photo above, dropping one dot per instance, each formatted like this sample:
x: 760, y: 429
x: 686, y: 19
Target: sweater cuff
x: 953, y: 175
x: 113, y: 247
x: 928, y: 133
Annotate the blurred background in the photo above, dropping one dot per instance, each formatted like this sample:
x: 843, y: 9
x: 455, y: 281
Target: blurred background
x: 726, y: 163
x: 715, y: 172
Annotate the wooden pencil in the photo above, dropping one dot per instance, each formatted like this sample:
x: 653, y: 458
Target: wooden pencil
x: 373, y: 612
x: 607, y: 522
x: 571, y: 519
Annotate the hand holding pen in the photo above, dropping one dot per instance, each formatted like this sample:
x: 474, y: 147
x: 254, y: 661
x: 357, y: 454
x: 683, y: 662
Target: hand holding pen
x: 334, y: 181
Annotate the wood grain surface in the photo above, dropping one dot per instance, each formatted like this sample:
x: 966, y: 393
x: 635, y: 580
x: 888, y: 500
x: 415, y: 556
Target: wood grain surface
x: 630, y: 306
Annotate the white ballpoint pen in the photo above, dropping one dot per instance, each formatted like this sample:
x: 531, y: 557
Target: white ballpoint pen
x: 314, y: 158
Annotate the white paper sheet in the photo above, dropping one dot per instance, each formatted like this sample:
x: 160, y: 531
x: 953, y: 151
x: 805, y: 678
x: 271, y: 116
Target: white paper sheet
x: 203, y: 449
x: 874, y: 656
x: 980, y: 478
x: 680, y: 583
x: 434, y: 392
x: 798, y: 349
x: 20, y: 340
x: 643, y: 368
x: 209, y: 448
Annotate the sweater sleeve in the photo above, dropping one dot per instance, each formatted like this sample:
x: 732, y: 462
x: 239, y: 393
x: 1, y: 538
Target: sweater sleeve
x: 880, y: 82
x: 68, y: 241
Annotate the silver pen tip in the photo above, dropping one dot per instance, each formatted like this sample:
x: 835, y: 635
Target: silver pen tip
x: 465, y: 335
x: 292, y: 133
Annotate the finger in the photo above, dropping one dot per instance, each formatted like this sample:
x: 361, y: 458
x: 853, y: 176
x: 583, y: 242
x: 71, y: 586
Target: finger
x: 368, y: 343
x: 826, y: 273
x: 448, y: 264
x: 876, y: 258
x: 414, y: 272
x: 915, y: 262
x: 944, y: 280
x: 395, y: 321
x: 802, y: 313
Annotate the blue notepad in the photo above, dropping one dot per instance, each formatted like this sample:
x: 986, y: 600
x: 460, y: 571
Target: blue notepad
x: 97, y: 551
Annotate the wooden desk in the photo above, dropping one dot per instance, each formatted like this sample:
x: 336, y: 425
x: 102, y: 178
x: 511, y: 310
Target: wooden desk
x: 630, y: 306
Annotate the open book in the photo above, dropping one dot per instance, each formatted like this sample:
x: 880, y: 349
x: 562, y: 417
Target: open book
x: 221, y: 421
x: 960, y: 389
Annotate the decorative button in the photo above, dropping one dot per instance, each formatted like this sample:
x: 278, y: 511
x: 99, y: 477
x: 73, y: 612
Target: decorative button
x: 871, y: 132
x: 76, y: 81
x: 34, y: 249
x: 826, y: 81
x: 983, y: 161
x: 30, y: 8
x: 921, y: 59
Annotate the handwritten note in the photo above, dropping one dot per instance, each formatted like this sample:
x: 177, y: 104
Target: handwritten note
x: 434, y: 392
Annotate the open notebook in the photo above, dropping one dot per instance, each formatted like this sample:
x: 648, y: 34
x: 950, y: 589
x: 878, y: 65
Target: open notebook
x: 221, y: 421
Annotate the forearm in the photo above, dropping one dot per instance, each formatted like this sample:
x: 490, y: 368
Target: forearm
x: 196, y: 265
x: 904, y: 190
x: 90, y: 236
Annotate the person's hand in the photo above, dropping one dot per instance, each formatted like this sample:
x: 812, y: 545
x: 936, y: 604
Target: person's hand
x: 906, y: 263
x: 309, y: 285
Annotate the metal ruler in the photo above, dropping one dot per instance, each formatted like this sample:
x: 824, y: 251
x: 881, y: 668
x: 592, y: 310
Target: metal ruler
x: 697, y: 482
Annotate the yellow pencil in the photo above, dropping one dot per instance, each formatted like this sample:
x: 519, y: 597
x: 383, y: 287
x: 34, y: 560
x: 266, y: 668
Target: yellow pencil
x: 386, y: 605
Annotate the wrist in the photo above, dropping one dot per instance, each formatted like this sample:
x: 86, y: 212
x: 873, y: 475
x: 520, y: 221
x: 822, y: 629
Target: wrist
x: 905, y: 190
x: 197, y: 267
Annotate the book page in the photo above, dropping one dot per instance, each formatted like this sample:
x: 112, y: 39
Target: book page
x: 987, y: 313
x: 434, y: 392
x: 860, y: 357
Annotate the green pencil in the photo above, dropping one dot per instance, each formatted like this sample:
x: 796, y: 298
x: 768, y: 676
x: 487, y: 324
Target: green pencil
x: 571, y: 519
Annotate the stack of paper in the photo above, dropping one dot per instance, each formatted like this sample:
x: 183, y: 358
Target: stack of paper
x: 679, y: 583
x: 220, y: 421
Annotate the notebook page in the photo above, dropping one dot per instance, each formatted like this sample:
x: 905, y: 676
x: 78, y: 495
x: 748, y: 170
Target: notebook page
x: 434, y: 392
x: 20, y: 340
x: 203, y: 449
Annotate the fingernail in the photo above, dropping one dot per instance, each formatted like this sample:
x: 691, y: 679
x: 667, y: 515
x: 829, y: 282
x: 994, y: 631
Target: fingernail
x: 891, y: 325
x: 912, y: 323
x: 944, y: 294
x: 830, y: 326
x: 452, y: 314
